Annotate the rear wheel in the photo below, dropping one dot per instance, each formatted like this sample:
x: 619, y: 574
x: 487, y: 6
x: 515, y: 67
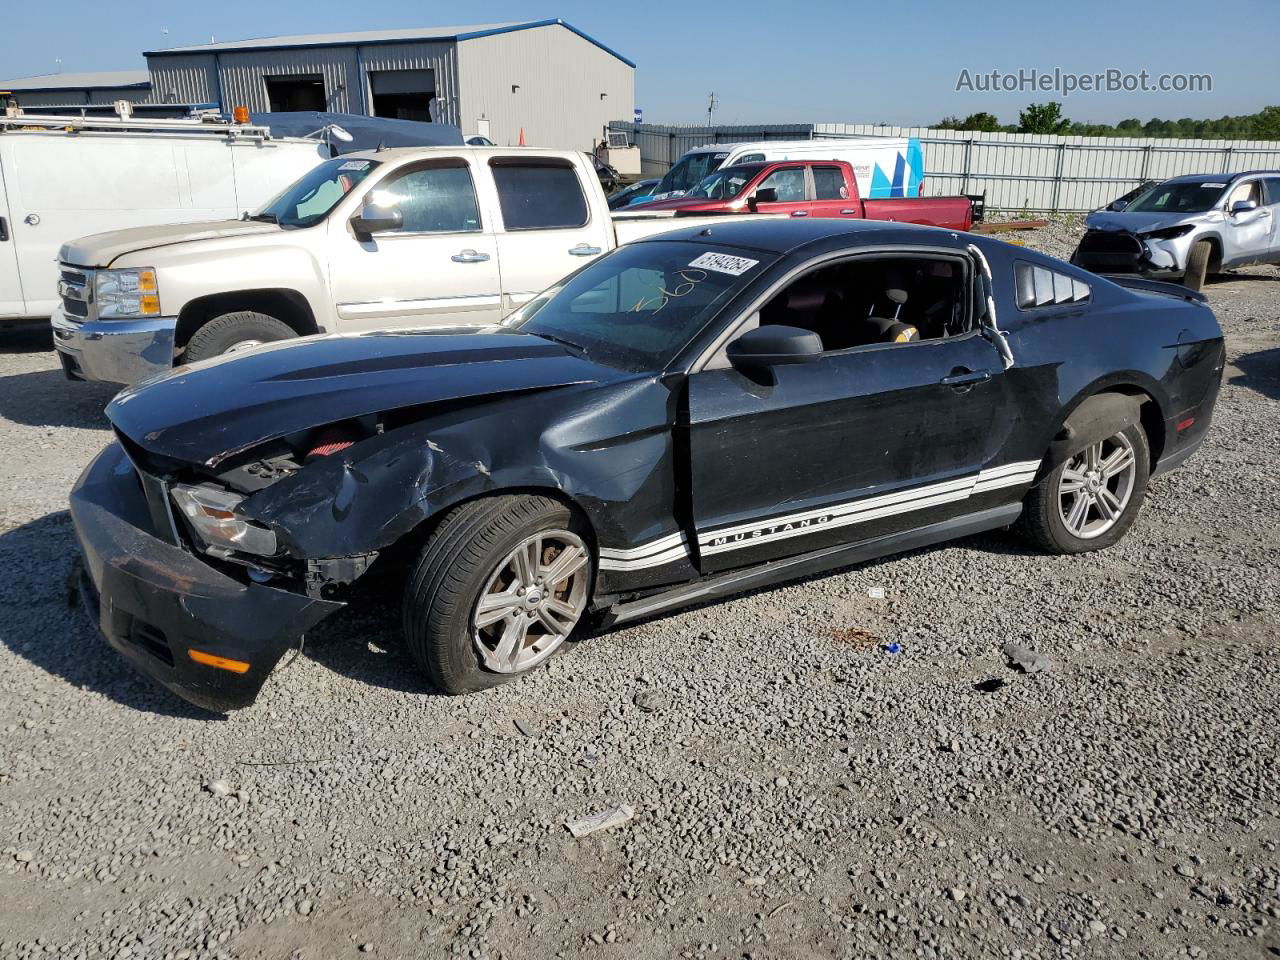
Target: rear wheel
x: 233, y: 332
x: 1198, y: 265
x: 500, y: 587
x: 1089, y: 501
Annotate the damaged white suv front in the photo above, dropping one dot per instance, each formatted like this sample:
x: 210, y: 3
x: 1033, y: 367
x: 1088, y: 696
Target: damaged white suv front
x: 1187, y: 227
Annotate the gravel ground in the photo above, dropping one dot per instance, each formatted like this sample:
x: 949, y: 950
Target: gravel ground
x: 798, y: 791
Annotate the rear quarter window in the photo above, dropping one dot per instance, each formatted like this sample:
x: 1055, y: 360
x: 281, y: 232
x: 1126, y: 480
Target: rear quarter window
x: 539, y: 196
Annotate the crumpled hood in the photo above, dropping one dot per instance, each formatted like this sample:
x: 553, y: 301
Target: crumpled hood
x: 206, y: 412
x: 100, y: 249
x: 1120, y: 220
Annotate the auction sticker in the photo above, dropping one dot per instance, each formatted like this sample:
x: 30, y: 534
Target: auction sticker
x: 723, y: 263
x: 355, y: 165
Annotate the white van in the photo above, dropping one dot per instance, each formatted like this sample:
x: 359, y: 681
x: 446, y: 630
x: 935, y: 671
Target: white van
x: 882, y: 166
x: 65, y: 177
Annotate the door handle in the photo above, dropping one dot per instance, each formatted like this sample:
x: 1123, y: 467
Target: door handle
x: 848, y: 210
x: 469, y: 256
x: 585, y: 250
x: 799, y: 213
x: 4, y: 229
x: 961, y: 377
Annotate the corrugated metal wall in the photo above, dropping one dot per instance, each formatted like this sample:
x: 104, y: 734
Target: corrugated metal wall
x: 661, y: 145
x: 76, y: 98
x: 1040, y: 173
x: 194, y: 78
x: 560, y: 76
x: 186, y: 78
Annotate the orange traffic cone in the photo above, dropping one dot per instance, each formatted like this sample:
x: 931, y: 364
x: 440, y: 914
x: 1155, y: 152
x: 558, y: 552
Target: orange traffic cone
x: 521, y: 137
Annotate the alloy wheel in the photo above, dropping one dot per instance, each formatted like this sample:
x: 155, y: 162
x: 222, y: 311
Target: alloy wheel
x: 1096, y: 485
x: 531, y: 602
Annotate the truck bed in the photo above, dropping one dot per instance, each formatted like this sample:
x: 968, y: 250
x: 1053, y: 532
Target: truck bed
x: 953, y: 213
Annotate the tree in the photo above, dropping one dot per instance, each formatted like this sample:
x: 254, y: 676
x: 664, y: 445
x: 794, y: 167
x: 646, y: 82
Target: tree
x: 1043, y: 118
x: 982, y: 121
x: 948, y: 123
x: 1266, y: 124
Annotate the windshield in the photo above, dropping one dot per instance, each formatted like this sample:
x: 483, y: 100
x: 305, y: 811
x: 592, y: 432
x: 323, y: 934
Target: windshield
x: 689, y: 171
x: 638, y: 307
x: 1184, y: 196
x: 310, y: 199
x: 724, y: 184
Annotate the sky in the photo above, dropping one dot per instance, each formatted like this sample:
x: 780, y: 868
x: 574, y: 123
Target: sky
x: 766, y: 61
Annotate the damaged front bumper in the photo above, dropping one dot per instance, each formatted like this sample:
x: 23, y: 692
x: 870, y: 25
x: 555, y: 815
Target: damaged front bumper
x: 161, y: 606
x: 1119, y: 251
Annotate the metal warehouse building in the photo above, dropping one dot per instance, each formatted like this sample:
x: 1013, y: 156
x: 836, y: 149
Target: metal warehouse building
x: 545, y: 77
x: 79, y: 89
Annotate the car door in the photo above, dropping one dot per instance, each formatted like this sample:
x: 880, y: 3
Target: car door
x: 790, y: 186
x: 1271, y: 193
x: 831, y: 193
x: 11, y: 302
x: 547, y: 230
x: 850, y: 446
x: 1248, y: 234
x: 439, y: 267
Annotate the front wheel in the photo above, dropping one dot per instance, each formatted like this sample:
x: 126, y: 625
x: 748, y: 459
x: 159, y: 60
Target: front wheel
x: 500, y: 587
x: 1198, y: 265
x: 233, y: 332
x: 1089, y: 501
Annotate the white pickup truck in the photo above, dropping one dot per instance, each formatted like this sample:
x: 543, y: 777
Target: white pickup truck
x: 404, y: 237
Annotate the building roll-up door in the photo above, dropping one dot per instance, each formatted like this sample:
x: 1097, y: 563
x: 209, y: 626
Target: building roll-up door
x: 403, y: 94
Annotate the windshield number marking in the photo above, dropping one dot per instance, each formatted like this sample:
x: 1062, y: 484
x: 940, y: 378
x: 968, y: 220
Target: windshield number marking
x: 723, y: 263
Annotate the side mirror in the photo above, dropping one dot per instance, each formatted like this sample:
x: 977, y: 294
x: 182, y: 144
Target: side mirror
x: 1243, y: 206
x: 1118, y: 205
x: 763, y: 195
x: 773, y: 345
x: 374, y: 219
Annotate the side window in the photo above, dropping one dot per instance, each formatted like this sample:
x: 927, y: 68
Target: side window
x: 828, y: 184
x: 788, y: 182
x: 872, y: 301
x: 1244, y: 191
x: 539, y: 196
x: 1041, y: 287
x: 433, y: 200
x: 1272, y: 187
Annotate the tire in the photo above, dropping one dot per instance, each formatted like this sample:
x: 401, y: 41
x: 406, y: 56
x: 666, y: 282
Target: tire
x: 237, y: 330
x: 1048, y: 508
x: 1198, y: 265
x: 468, y: 556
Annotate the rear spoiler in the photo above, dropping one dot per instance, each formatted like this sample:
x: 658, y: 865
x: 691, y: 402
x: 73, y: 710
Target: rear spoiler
x: 1156, y: 286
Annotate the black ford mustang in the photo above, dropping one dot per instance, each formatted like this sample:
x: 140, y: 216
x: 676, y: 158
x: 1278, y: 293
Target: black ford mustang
x: 712, y: 410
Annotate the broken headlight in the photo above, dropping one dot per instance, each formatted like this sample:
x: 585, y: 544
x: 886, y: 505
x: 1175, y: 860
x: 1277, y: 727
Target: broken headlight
x: 1168, y: 233
x: 211, y: 514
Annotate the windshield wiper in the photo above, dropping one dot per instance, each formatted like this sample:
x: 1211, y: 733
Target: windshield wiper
x: 563, y: 342
x: 263, y: 217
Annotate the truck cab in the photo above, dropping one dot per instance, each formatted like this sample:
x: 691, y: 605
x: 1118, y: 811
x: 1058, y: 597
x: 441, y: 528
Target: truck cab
x: 809, y: 188
x: 373, y: 240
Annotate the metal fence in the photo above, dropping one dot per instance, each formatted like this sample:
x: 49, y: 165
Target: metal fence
x: 1015, y: 171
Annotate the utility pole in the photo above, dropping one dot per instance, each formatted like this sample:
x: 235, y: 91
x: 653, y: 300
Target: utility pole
x: 711, y: 109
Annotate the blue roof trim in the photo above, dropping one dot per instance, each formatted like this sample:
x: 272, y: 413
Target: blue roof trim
x: 556, y: 22
x: 213, y: 49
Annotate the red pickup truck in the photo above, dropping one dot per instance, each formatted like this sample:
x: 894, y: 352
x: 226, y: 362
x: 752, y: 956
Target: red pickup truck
x: 808, y: 188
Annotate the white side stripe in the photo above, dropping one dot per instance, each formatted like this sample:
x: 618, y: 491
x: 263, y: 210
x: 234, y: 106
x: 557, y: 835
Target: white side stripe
x: 673, y: 547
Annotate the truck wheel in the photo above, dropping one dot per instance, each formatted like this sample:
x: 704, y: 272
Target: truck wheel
x: 1198, y: 265
x: 501, y: 585
x: 1091, y: 499
x: 232, y: 332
